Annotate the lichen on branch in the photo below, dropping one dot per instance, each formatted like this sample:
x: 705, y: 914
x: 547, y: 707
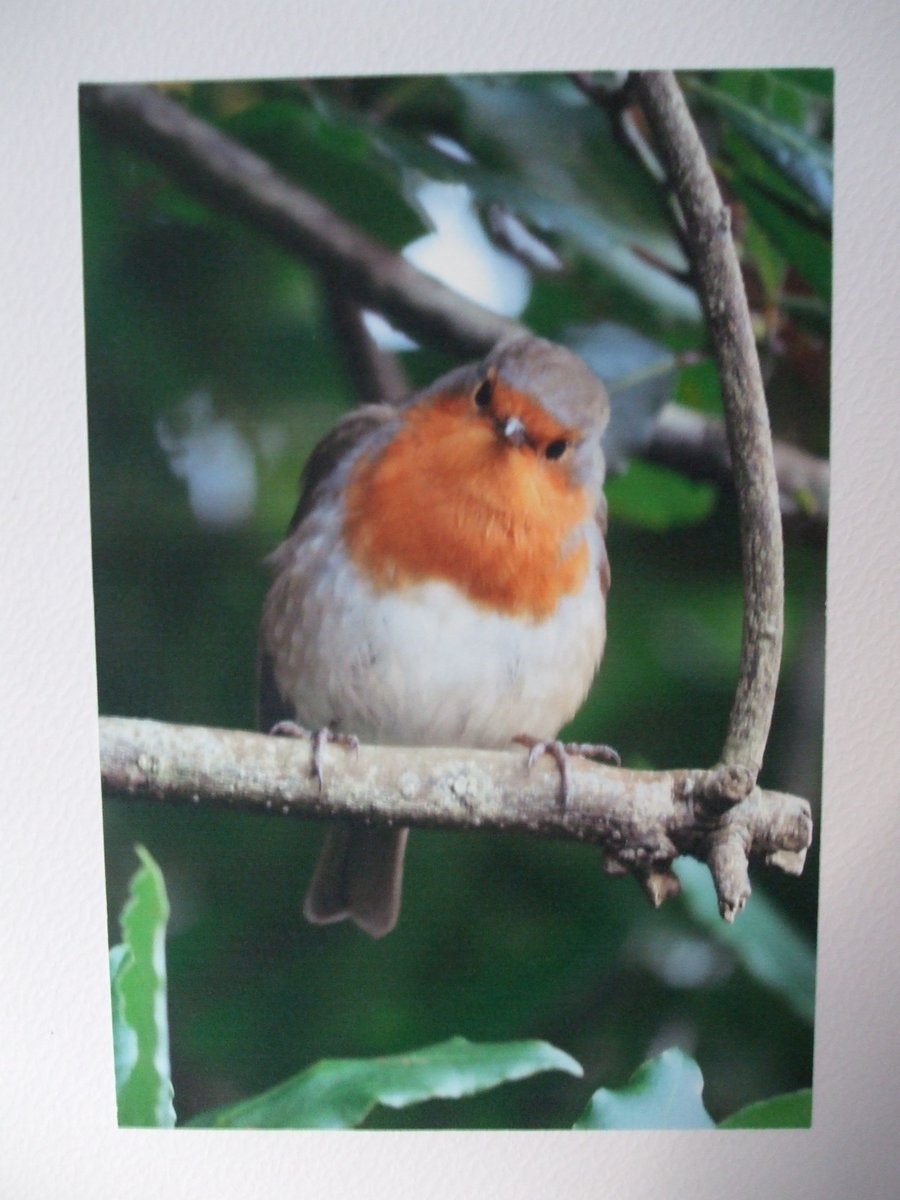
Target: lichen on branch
x: 641, y: 819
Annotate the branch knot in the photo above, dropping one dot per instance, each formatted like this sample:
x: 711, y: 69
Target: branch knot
x: 717, y: 790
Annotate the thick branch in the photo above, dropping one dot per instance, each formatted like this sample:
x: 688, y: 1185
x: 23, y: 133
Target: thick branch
x: 707, y: 227
x: 642, y: 819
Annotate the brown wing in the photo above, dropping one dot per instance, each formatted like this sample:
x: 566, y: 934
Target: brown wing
x: 318, y: 475
x: 603, y: 566
x: 333, y: 448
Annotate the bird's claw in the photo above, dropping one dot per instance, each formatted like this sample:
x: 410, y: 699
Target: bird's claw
x: 598, y: 750
x: 560, y: 752
x: 319, y: 739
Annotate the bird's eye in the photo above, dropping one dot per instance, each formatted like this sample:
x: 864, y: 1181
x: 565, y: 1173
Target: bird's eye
x: 483, y: 393
x: 556, y: 449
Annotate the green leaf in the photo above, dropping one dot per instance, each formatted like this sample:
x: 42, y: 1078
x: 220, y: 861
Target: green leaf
x: 340, y: 1093
x: 554, y: 163
x: 770, y: 265
x: 664, y: 1093
x: 753, y: 166
x: 564, y: 147
x: 657, y: 498
x: 699, y: 387
x: 793, y: 1110
x: 810, y: 313
x: 803, y: 159
x: 125, y: 1043
x: 816, y: 80
x: 764, y: 940
x: 802, y: 244
x: 140, y: 1021
x: 334, y: 160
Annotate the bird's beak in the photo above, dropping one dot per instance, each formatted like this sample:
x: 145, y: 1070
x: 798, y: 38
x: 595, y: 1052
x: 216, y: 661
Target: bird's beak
x: 514, y: 431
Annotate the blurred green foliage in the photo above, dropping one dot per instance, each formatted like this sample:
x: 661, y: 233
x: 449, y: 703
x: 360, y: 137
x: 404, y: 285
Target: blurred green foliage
x: 213, y: 369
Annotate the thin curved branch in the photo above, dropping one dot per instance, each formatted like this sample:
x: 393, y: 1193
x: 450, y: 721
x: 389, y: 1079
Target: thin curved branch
x: 721, y: 288
x: 641, y: 819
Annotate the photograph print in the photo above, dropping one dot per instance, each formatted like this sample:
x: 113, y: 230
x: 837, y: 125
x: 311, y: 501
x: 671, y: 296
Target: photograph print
x: 459, y: 509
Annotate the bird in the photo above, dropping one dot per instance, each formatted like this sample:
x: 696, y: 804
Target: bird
x: 443, y: 582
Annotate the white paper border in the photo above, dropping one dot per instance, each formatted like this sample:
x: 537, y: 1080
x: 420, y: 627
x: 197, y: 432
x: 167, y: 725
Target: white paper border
x: 57, y: 1123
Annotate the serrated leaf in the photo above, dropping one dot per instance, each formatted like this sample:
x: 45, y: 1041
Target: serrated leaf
x: 792, y: 1110
x: 664, y: 1093
x: 340, y: 1093
x: 763, y: 939
x: 125, y: 1043
x: 140, y: 1020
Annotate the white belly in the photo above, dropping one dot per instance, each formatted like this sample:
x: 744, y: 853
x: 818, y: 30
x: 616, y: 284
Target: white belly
x: 423, y: 665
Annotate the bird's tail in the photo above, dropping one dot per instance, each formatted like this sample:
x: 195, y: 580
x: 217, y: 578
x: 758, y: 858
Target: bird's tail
x: 359, y: 875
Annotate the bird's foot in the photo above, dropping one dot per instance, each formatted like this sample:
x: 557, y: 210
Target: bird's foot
x: 560, y: 752
x: 319, y: 739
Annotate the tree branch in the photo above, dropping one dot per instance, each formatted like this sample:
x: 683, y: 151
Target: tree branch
x: 641, y: 819
x: 697, y: 446
x: 721, y: 288
x: 232, y: 178
x: 237, y: 181
x: 375, y: 374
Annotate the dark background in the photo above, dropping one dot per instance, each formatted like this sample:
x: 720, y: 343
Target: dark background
x: 212, y: 359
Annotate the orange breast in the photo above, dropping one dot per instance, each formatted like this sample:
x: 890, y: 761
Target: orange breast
x: 449, y: 500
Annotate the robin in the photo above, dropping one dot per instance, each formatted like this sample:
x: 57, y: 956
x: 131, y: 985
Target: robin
x: 443, y: 582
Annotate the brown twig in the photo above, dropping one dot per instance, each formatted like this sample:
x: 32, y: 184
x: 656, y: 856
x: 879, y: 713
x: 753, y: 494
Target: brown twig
x: 697, y: 446
x: 375, y: 375
x: 707, y: 228
x: 641, y: 819
x: 616, y: 102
